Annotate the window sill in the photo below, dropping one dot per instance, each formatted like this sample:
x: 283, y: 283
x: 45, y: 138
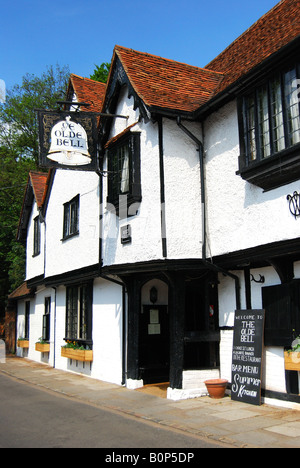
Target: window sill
x: 125, y: 206
x: 70, y: 236
x: 275, y: 171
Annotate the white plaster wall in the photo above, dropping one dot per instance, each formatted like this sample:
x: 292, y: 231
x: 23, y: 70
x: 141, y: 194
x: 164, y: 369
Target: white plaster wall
x: 37, y: 310
x: 107, y: 334
x: 20, y: 327
x: 146, y: 225
x: 240, y: 215
x: 82, y: 250
x: 107, y: 331
x: 34, y: 264
x: 182, y: 193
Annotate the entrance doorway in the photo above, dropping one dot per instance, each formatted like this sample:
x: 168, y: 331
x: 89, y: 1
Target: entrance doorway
x: 154, y: 344
x: 202, y: 334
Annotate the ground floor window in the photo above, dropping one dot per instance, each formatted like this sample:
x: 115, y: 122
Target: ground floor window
x: 282, y: 305
x: 46, y: 319
x: 79, y: 313
x: 202, y: 334
x: 27, y: 320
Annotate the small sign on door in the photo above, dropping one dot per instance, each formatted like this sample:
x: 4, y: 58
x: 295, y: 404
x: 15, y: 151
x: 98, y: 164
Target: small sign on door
x: 154, y: 325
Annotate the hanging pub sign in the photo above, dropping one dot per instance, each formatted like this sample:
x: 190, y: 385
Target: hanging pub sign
x: 68, y: 140
x: 247, y: 356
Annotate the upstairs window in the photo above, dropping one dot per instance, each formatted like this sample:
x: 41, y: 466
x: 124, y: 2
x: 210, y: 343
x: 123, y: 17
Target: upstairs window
x: 270, y: 131
x: 37, y: 237
x: 71, y: 218
x: 124, y: 184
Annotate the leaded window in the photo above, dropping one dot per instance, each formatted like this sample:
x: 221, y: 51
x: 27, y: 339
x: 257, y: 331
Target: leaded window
x: 269, y: 119
x: 124, y: 180
x: 79, y: 312
x: 271, y: 116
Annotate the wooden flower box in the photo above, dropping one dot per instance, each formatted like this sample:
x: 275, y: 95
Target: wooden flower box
x: 42, y: 347
x: 23, y: 344
x: 82, y: 355
x: 292, y: 361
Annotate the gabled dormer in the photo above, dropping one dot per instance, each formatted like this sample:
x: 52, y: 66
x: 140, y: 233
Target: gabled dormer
x: 157, y: 85
x: 85, y: 90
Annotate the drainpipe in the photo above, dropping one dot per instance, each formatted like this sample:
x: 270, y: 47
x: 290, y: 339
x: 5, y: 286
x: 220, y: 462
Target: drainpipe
x: 202, y: 181
x: 209, y: 265
x: 54, y: 345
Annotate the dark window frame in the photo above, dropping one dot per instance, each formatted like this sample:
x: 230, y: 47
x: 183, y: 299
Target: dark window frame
x: 126, y: 148
x: 282, y: 306
x: 36, y: 236
x: 71, y: 218
x: 27, y: 320
x: 269, y: 157
x: 79, y: 306
x: 46, y: 320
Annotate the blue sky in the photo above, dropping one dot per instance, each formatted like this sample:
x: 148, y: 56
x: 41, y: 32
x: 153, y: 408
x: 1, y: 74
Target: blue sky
x: 37, y: 33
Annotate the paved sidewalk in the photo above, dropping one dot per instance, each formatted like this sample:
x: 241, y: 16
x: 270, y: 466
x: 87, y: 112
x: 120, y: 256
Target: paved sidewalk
x: 225, y: 421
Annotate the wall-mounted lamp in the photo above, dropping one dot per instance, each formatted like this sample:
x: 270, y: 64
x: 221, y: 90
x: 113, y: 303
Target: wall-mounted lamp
x: 153, y: 295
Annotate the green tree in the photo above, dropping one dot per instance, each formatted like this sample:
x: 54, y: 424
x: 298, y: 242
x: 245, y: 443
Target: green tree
x: 18, y: 123
x: 101, y: 73
x: 19, y: 155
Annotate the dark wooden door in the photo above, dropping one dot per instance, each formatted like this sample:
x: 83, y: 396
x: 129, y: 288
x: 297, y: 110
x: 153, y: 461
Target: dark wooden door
x: 154, y: 344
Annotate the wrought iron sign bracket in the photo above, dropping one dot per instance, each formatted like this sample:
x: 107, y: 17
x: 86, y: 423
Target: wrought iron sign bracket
x: 260, y: 280
x: 84, y: 104
x: 294, y: 204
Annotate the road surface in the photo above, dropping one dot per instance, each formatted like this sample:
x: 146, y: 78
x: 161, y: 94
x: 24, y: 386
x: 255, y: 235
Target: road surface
x: 31, y: 417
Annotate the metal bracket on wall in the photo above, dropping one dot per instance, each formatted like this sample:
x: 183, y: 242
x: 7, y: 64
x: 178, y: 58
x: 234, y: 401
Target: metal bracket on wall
x: 294, y: 204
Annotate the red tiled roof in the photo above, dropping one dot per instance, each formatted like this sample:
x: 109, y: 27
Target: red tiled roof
x: 89, y: 91
x: 39, y: 184
x: 270, y: 33
x: 171, y: 85
x: 167, y: 84
x: 120, y: 135
x: 21, y: 291
x: 39, y: 181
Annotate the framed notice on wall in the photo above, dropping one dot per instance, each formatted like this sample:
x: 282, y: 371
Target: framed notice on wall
x: 247, y: 356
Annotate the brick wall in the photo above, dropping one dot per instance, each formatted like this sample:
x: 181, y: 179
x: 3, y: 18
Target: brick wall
x: 10, y: 327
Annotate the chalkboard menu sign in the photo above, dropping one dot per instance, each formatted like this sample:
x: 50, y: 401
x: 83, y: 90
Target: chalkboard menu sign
x: 247, y: 356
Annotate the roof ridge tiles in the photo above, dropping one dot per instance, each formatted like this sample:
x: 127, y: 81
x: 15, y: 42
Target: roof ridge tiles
x: 147, y: 54
x: 245, y: 33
